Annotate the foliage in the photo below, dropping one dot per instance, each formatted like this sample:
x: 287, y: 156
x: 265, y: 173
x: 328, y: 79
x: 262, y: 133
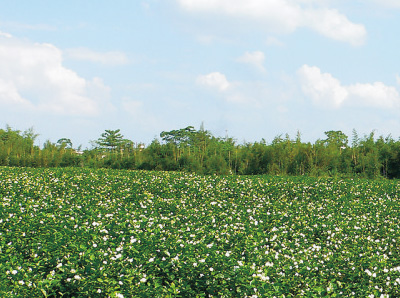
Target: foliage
x: 199, y: 151
x: 105, y: 233
x: 110, y: 139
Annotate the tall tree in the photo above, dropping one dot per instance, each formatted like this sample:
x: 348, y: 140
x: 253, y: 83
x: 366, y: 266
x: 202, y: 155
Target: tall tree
x: 110, y: 140
x: 64, y: 143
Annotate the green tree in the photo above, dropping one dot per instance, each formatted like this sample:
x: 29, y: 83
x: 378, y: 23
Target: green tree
x: 337, y: 139
x: 110, y: 140
x: 64, y: 143
x: 179, y: 137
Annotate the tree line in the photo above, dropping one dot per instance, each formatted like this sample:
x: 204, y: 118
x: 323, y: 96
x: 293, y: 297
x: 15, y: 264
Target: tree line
x: 192, y: 150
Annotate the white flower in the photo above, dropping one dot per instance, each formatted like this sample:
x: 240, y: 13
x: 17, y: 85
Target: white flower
x: 211, y: 269
x: 21, y: 282
x: 143, y: 280
x: 151, y: 260
x: 263, y: 277
x: 98, y: 290
x: 119, y: 295
x: 77, y: 277
x: 14, y: 272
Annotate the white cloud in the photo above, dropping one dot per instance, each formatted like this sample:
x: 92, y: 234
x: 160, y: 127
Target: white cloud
x: 327, y: 91
x: 32, y: 75
x: 273, y: 41
x: 284, y: 16
x: 106, y: 58
x: 324, y: 89
x: 388, y: 3
x: 255, y: 59
x: 9, y: 94
x: 214, y: 80
x: 3, y: 34
x: 376, y: 95
x: 332, y: 24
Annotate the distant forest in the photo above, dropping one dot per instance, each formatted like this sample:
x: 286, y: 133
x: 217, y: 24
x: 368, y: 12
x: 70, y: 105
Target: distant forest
x: 192, y: 150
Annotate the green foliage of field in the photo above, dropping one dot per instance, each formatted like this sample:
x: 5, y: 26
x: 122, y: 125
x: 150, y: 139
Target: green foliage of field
x: 105, y: 233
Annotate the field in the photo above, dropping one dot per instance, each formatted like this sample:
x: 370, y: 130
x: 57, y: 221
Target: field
x: 104, y: 233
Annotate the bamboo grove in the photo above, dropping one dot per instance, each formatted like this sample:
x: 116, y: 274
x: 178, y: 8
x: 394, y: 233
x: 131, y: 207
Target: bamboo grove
x: 192, y: 150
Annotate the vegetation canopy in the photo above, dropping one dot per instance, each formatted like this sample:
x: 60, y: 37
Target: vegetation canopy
x: 198, y: 151
x: 105, y: 233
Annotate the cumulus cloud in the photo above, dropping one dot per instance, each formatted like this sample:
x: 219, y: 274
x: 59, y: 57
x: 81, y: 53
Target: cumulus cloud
x: 332, y: 24
x: 376, y: 94
x: 107, y: 58
x: 214, y: 80
x: 255, y: 59
x: 285, y: 16
x: 327, y: 91
x: 322, y: 87
x: 32, y: 77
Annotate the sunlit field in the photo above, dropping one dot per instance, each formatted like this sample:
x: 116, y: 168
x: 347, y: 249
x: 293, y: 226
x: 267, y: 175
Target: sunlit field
x: 104, y: 233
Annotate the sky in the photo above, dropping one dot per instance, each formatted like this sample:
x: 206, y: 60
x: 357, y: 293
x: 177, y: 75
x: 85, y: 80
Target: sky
x: 249, y: 69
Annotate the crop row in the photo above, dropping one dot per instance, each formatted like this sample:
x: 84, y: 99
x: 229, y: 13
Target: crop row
x: 104, y: 233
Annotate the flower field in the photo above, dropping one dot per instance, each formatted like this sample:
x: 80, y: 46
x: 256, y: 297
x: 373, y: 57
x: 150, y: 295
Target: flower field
x: 105, y: 233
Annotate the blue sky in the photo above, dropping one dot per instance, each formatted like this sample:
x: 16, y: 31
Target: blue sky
x: 253, y: 69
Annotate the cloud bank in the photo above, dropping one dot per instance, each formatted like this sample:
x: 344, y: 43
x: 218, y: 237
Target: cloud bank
x: 327, y: 91
x: 285, y: 16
